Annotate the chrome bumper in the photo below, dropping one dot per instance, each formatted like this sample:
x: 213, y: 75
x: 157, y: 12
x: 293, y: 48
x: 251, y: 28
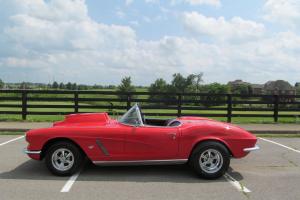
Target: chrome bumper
x: 251, y: 149
x: 31, y: 152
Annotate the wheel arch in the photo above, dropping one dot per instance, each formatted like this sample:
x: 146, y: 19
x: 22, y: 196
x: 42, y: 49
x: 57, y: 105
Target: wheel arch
x: 52, y: 141
x: 211, y: 140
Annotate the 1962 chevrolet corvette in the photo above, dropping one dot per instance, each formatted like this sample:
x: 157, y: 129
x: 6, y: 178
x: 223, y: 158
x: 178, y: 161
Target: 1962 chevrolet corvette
x: 205, y: 144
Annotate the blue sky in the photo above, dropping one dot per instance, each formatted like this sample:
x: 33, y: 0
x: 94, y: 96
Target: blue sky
x: 169, y: 21
x: 99, y: 42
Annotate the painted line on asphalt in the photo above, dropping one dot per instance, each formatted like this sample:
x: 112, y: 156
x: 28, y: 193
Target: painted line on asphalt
x: 67, y: 187
x: 12, y: 140
x: 236, y: 184
x: 271, y: 141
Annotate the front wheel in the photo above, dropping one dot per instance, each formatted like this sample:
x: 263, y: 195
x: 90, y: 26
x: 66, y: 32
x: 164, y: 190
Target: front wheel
x: 210, y: 160
x: 63, y: 158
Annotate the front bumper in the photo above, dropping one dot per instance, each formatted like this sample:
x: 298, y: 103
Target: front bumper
x: 36, y: 155
x: 26, y: 151
x: 255, y: 148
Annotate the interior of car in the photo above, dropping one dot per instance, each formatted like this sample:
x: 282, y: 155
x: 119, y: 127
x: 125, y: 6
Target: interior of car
x: 162, y: 122
x: 134, y: 116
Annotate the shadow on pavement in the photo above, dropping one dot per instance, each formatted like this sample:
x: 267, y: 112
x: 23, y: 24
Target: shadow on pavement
x: 31, y: 170
x: 35, y: 170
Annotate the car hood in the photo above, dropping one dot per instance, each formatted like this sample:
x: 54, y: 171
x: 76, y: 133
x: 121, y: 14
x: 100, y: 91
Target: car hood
x: 210, y: 123
x: 86, y: 118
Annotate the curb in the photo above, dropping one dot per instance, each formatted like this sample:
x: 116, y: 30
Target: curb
x: 283, y: 132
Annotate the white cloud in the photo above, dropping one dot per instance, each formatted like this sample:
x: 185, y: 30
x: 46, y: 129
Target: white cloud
x: 151, y: 1
x: 40, y: 41
x: 128, y: 2
x: 222, y: 29
x: 134, y: 23
x: 216, y: 3
x: 286, y: 12
x: 208, y: 2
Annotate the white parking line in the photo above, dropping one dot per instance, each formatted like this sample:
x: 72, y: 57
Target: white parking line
x: 290, y: 148
x: 4, y: 143
x: 70, y: 182
x: 236, y: 184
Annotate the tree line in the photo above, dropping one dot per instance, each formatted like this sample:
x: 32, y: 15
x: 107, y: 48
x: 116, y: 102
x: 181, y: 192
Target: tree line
x: 192, y: 83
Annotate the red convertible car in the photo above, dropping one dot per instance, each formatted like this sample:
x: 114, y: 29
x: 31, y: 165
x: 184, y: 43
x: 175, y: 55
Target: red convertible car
x: 205, y: 144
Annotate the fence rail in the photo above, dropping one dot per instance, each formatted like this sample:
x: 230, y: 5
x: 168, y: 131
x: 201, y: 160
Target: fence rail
x: 62, y: 102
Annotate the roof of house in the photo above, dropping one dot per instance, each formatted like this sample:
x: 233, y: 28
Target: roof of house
x: 279, y: 85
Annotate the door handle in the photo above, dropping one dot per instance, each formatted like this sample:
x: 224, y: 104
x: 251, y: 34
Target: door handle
x: 173, y: 135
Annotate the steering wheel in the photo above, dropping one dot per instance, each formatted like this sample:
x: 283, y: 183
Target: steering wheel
x: 169, y: 122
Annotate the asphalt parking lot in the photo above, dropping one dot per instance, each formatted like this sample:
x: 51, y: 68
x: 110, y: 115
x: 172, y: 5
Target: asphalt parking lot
x: 270, y: 173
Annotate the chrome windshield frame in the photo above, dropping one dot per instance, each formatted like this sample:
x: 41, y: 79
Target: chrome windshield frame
x: 139, y: 116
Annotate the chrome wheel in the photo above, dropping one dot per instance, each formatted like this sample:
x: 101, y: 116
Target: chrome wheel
x: 211, y: 161
x: 62, y: 159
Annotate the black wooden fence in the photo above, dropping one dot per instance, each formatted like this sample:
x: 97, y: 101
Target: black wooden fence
x: 51, y: 102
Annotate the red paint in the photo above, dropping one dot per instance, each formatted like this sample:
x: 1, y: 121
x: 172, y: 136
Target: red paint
x: 125, y: 142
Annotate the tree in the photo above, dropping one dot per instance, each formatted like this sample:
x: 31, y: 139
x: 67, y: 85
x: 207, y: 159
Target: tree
x: 189, y: 84
x: 241, y: 89
x: 74, y: 86
x: 160, y: 85
x: 61, y: 86
x: 125, y: 87
x: 24, y: 86
x: 69, y: 86
x: 179, y: 83
x: 214, y: 88
x: 1, y: 84
x: 55, y: 85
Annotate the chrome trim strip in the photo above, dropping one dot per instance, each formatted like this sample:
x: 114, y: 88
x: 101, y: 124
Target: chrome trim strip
x: 102, y: 147
x: 31, y: 152
x: 142, y: 162
x: 251, y: 149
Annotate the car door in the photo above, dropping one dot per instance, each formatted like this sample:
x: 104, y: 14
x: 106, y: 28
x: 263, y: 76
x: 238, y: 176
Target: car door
x: 105, y: 143
x: 152, y: 143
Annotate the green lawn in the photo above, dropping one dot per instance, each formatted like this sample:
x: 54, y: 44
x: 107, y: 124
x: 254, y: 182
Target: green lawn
x: 51, y: 118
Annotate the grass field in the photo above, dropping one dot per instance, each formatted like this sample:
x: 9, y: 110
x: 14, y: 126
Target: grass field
x: 41, y: 118
x: 51, y: 118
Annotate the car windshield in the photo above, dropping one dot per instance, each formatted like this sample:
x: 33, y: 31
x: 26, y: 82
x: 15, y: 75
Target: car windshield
x: 132, y: 117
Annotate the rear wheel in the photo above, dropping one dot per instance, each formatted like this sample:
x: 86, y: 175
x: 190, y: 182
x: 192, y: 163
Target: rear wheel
x: 210, y: 160
x: 63, y: 158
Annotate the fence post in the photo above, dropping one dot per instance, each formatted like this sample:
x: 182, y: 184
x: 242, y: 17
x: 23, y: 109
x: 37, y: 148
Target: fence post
x: 24, y: 104
x: 76, y: 107
x: 276, y: 106
x: 128, y: 101
x: 229, y: 107
x: 179, y: 102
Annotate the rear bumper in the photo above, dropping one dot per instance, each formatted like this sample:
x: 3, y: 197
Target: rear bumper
x: 255, y: 148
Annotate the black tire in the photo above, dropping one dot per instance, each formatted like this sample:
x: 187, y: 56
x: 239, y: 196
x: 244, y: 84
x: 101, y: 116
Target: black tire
x: 77, y: 158
x: 214, y: 148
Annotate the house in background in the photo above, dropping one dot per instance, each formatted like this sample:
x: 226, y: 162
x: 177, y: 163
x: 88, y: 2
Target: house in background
x: 257, y: 88
x: 279, y: 87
